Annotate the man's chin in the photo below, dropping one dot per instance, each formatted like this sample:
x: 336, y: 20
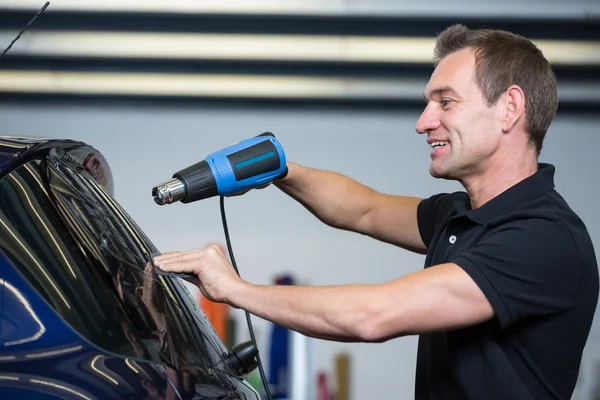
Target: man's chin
x: 436, y: 172
x: 439, y: 173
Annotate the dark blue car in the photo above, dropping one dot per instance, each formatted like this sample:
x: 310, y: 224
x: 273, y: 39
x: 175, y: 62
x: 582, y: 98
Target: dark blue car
x: 83, y: 314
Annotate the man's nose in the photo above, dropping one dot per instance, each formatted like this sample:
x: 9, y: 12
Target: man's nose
x: 428, y: 121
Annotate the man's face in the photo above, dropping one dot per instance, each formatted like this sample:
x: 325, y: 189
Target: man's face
x: 462, y: 131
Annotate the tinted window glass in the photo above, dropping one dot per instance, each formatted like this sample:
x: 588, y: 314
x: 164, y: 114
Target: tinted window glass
x: 74, y: 244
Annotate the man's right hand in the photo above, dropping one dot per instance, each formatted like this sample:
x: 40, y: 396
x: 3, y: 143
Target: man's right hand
x: 247, y: 190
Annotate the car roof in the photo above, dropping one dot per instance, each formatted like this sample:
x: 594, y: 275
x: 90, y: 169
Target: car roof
x: 16, y: 149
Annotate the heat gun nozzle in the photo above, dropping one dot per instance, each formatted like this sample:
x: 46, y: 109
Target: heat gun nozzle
x: 168, y: 192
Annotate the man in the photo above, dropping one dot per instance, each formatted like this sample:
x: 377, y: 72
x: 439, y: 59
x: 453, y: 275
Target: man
x: 506, y: 301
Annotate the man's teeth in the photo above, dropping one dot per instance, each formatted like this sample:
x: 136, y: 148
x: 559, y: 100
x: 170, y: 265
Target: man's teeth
x: 435, y: 145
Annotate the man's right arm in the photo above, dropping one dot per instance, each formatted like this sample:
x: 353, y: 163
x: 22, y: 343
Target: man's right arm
x: 344, y: 203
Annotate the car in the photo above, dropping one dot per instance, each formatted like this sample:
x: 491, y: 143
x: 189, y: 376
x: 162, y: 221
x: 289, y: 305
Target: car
x: 83, y: 312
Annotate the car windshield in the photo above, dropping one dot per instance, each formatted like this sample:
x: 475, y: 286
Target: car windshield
x: 80, y: 250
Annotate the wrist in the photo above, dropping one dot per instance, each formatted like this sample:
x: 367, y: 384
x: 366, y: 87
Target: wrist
x: 238, y: 292
x: 291, y: 170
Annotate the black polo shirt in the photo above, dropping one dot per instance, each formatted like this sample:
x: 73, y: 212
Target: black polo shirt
x: 533, y: 259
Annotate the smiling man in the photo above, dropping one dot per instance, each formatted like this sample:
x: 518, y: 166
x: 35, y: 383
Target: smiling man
x: 504, y: 305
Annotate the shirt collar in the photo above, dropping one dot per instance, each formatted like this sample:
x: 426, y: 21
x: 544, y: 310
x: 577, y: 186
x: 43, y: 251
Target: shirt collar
x: 528, y: 189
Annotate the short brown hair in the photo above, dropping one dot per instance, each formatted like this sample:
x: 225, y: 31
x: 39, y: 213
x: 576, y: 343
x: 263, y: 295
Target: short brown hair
x: 504, y: 59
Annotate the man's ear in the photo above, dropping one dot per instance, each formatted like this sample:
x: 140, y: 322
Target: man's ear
x: 514, y: 107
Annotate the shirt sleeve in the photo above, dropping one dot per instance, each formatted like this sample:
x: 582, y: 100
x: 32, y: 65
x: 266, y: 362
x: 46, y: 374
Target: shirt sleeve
x: 432, y: 212
x: 525, y: 269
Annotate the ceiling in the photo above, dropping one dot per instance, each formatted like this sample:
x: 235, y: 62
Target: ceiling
x: 353, y: 53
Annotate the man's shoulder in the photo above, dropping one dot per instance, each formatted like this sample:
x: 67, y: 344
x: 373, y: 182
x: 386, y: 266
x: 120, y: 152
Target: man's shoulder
x: 563, y: 214
x: 550, y: 225
x: 552, y: 211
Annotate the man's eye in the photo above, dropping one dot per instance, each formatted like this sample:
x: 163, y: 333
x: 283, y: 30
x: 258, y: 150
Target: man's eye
x: 445, y: 102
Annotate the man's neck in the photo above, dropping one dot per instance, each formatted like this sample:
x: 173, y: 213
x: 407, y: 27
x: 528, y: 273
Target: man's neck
x: 500, y: 175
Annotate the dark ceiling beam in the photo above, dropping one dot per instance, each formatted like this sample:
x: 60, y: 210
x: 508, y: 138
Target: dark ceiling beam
x: 534, y: 28
x: 410, y: 105
x: 584, y: 73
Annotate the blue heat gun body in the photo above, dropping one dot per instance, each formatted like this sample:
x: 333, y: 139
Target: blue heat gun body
x: 244, y: 165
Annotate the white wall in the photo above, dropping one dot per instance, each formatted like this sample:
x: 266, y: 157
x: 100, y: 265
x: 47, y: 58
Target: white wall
x: 269, y: 231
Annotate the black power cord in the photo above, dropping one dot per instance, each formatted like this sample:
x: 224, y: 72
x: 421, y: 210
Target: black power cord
x: 229, y: 248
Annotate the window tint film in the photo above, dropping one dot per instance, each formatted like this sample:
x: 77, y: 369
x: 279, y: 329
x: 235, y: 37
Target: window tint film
x: 76, y: 246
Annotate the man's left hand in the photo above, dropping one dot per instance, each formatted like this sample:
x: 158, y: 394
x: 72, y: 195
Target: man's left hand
x: 215, y: 273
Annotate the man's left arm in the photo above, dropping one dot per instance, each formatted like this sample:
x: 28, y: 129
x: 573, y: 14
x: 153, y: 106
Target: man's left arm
x: 438, y: 298
x: 509, y: 275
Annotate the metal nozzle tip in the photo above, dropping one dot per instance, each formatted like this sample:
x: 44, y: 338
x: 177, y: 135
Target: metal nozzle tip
x: 168, y: 192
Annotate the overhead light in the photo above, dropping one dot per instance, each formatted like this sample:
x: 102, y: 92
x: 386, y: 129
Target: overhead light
x: 262, y: 47
x: 235, y: 86
x: 222, y: 46
x: 199, y: 85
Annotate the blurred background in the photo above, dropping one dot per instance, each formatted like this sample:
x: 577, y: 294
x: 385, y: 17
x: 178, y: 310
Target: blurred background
x: 157, y: 85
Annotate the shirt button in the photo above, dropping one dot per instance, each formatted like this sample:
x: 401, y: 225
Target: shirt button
x: 452, y: 239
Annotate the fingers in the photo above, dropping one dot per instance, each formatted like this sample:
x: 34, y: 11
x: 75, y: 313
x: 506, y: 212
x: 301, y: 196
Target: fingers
x: 177, y: 256
x: 183, y: 261
x: 242, y: 192
x: 238, y: 193
x: 178, y: 267
x: 178, y: 262
x: 165, y: 256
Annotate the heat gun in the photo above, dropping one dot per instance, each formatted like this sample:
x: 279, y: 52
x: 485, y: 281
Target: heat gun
x: 244, y: 165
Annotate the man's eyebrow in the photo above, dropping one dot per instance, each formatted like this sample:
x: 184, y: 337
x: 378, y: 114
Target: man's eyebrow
x: 438, y: 92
